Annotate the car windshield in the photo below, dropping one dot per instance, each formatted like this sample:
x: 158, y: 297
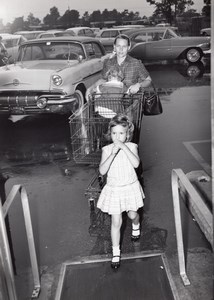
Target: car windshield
x: 9, y: 43
x: 169, y: 34
x: 30, y: 35
x: 51, y: 51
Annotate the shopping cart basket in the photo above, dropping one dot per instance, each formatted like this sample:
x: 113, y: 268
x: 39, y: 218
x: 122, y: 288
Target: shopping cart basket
x: 89, y: 127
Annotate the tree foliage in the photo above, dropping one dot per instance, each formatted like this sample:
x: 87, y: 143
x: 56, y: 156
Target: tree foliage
x: 169, y: 9
x: 206, y: 10
x: 32, y: 21
x: 165, y: 9
x: 52, y: 18
x: 70, y: 18
x: 18, y: 24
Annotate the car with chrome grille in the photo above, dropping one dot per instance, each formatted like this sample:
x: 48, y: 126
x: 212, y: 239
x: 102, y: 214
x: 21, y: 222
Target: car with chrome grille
x: 51, y: 76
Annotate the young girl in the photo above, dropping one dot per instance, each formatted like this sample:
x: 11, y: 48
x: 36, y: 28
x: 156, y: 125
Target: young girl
x: 122, y: 191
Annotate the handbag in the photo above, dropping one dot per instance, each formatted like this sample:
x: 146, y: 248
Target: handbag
x: 151, y: 103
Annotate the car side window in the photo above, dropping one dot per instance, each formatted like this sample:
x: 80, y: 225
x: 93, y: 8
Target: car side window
x: 10, y: 43
x: 114, y: 33
x: 105, y: 34
x: 22, y: 40
x: 88, y: 32
x: 157, y: 36
x: 93, y: 50
x: 46, y: 35
x: 31, y: 53
x: 81, y: 32
x: 168, y: 35
x: 142, y: 37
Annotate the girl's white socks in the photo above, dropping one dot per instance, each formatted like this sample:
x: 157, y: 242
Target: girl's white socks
x: 116, y: 253
x: 136, y: 229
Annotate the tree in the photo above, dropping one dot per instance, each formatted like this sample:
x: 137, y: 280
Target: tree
x: 32, y: 21
x: 18, y: 24
x: 85, y: 18
x: 96, y: 16
x: 170, y: 8
x: 52, y: 19
x: 206, y: 10
x: 70, y: 18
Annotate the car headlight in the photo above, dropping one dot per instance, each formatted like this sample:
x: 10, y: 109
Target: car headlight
x: 41, y: 102
x: 57, y: 80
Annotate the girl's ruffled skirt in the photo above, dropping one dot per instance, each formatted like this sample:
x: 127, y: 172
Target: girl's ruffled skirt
x: 115, y: 200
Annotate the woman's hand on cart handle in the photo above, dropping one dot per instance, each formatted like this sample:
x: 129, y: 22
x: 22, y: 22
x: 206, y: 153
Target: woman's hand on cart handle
x: 133, y: 89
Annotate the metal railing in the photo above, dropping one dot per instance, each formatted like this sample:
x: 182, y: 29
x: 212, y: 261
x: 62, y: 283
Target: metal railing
x: 198, y: 208
x: 5, y: 254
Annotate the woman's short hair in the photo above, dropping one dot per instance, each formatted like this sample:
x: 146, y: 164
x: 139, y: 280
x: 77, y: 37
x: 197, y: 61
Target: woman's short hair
x: 124, y: 121
x: 124, y: 37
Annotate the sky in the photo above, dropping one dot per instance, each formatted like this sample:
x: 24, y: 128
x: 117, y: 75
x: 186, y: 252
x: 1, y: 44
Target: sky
x: 11, y: 9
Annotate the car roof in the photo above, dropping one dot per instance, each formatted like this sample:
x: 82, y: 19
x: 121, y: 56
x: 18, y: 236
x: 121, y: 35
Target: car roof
x: 51, y: 31
x: 10, y: 36
x: 149, y: 29
x: 28, y: 31
x: 63, y: 38
x: 77, y: 28
x: 129, y: 26
x: 206, y: 28
x: 110, y: 29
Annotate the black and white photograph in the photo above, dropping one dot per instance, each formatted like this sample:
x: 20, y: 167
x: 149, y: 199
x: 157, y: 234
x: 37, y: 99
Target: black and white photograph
x: 106, y: 125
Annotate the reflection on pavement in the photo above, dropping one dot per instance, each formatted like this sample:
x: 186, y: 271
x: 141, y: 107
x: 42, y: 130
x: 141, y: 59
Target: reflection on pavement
x: 180, y: 74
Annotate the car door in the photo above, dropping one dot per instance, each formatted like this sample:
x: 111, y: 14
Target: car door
x: 94, y: 63
x: 154, y: 46
x: 159, y: 46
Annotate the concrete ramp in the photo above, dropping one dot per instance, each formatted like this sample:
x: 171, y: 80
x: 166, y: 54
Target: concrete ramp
x: 139, y: 277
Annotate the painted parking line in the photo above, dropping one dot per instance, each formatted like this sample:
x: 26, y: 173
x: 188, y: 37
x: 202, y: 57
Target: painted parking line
x: 190, y: 147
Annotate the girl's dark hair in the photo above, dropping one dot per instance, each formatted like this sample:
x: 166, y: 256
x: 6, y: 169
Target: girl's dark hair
x: 124, y: 121
x: 124, y: 37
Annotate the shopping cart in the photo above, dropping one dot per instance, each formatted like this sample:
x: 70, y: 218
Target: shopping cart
x: 89, y: 127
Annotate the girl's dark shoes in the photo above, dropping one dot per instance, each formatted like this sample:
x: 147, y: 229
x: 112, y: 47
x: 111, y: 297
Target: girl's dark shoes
x: 135, y: 235
x: 115, y: 263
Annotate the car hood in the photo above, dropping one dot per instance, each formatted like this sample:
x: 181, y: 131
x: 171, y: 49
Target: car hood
x: 32, y: 75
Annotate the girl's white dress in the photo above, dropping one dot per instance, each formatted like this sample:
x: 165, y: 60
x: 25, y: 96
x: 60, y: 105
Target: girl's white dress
x: 122, y: 191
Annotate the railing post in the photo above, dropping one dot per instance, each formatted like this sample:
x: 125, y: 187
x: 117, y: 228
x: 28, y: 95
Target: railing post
x: 178, y: 228
x: 31, y: 244
x: 5, y: 249
x: 6, y: 260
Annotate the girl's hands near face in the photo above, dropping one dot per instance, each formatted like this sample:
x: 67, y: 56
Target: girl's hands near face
x: 119, y: 144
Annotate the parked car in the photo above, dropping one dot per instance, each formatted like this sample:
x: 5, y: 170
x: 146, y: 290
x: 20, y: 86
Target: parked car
x: 163, y: 25
x: 12, y: 43
x: 54, y: 33
x: 29, y: 35
x: 205, y: 31
x: 96, y: 30
x: 51, y: 76
x: 81, y: 31
x: 136, y: 26
x: 163, y: 43
x: 107, y: 36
